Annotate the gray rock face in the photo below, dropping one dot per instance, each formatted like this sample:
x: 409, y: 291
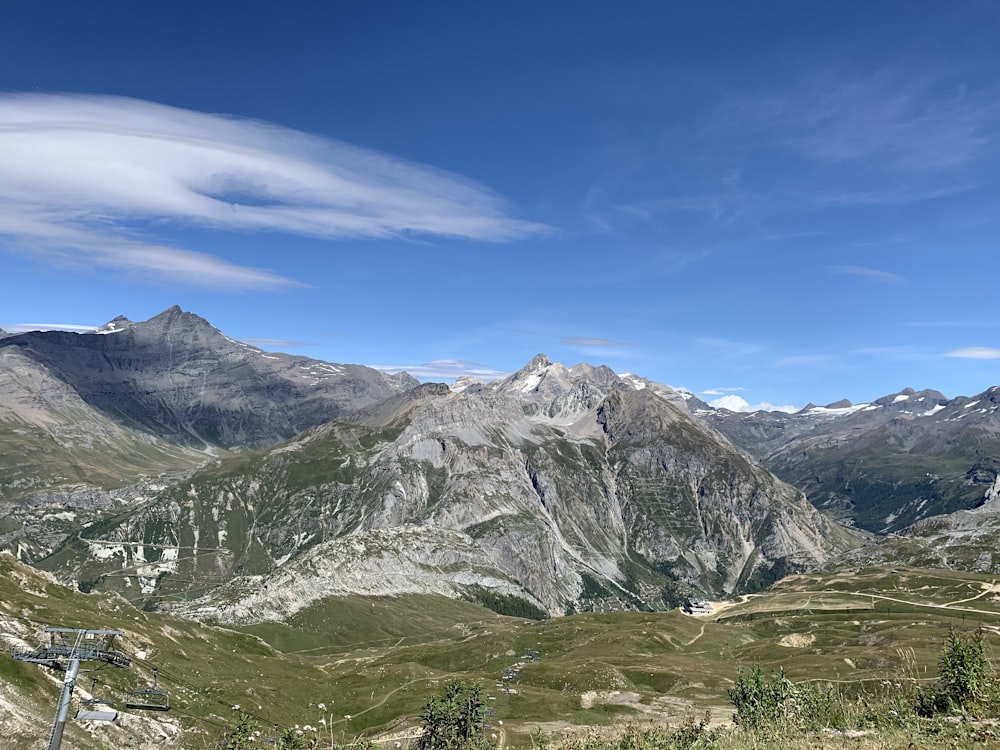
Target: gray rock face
x: 177, y: 377
x: 884, y: 465
x: 85, y: 416
x: 571, y: 487
x: 50, y: 437
x: 961, y: 540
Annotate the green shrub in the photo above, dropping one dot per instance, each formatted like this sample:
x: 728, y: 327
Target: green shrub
x: 965, y: 670
x: 455, y: 720
x: 966, y: 682
x: 759, y: 702
x: 766, y: 705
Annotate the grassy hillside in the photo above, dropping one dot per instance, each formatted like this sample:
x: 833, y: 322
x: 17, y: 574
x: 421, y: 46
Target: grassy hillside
x: 96, y: 453
x: 378, y: 660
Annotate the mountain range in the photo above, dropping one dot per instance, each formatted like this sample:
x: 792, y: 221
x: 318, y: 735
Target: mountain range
x: 881, y: 465
x: 186, y: 470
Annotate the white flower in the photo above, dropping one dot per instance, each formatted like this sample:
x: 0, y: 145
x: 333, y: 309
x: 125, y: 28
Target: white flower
x: 321, y: 706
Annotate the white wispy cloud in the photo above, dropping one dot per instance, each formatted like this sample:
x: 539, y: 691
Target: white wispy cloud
x: 975, y: 352
x: 872, y: 274
x: 807, y: 361
x: 86, y: 179
x: 598, y: 347
x: 954, y: 324
x: 728, y: 347
x: 264, y: 343
x: 445, y: 369
x: 26, y: 327
x: 901, y: 353
x: 738, y: 403
x: 888, y: 119
x: 722, y: 391
x: 592, y: 342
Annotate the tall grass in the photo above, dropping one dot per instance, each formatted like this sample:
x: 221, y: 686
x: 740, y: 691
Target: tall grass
x: 774, y: 712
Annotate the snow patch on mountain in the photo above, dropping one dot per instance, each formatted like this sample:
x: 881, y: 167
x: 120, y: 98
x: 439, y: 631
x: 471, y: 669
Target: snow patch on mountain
x: 836, y: 411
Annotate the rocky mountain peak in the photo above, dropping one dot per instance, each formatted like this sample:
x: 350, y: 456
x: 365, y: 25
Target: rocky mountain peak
x: 467, y: 383
x: 177, y: 377
x: 529, y: 377
x: 553, y: 378
x: 175, y: 318
x: 538, y: 362
x: 119, y: 323
x: 601, y: 374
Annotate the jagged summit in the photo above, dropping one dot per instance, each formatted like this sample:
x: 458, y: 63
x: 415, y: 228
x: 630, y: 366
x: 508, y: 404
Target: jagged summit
x: 467, y: 383
x: 544, y: 377
x: 176, y: 376
x: 911, y: 395
x: 842, y: 404
x: 539, y: 361
x: 567, y: 391
x: 174, y: 317
x: 115, y: 325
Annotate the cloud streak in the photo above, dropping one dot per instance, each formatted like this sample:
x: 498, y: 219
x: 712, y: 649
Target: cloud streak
x: 598, y: 347
x: 888, y: 120
x: 872, y: 274
x: 87, y: 178
x: 975, y: 352
x: 592, y: 342
x: 27, y: 327
x: 445, y: 369
x: 279, y: 344
x: 740, y: 404
x: 722, y: 391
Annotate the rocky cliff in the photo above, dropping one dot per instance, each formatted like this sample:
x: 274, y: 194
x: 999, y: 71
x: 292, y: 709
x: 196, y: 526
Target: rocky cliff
x: 179, y: 378
x: 882, y: 465
x: 570, y: 487
x: 84, y: 416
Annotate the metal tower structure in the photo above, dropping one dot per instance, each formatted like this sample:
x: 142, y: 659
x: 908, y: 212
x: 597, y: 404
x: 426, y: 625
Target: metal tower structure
x: 65, y: 649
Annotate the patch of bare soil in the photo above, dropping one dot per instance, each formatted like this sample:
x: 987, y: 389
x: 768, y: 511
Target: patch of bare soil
x: 608, y: 697
x: 797, y: 640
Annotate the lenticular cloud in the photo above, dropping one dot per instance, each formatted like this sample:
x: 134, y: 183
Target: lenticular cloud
x: 84, y: 174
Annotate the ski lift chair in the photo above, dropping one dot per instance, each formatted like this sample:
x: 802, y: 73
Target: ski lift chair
x: 96, y: 709
x: 148, y: 698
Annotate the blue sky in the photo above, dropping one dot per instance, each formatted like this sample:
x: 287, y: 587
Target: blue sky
x: 781, y: 202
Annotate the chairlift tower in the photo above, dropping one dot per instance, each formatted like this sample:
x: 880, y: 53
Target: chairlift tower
x: 66, y: 648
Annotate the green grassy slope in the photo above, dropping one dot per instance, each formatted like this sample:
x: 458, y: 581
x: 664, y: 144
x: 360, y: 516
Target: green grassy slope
x: 378, y: 660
